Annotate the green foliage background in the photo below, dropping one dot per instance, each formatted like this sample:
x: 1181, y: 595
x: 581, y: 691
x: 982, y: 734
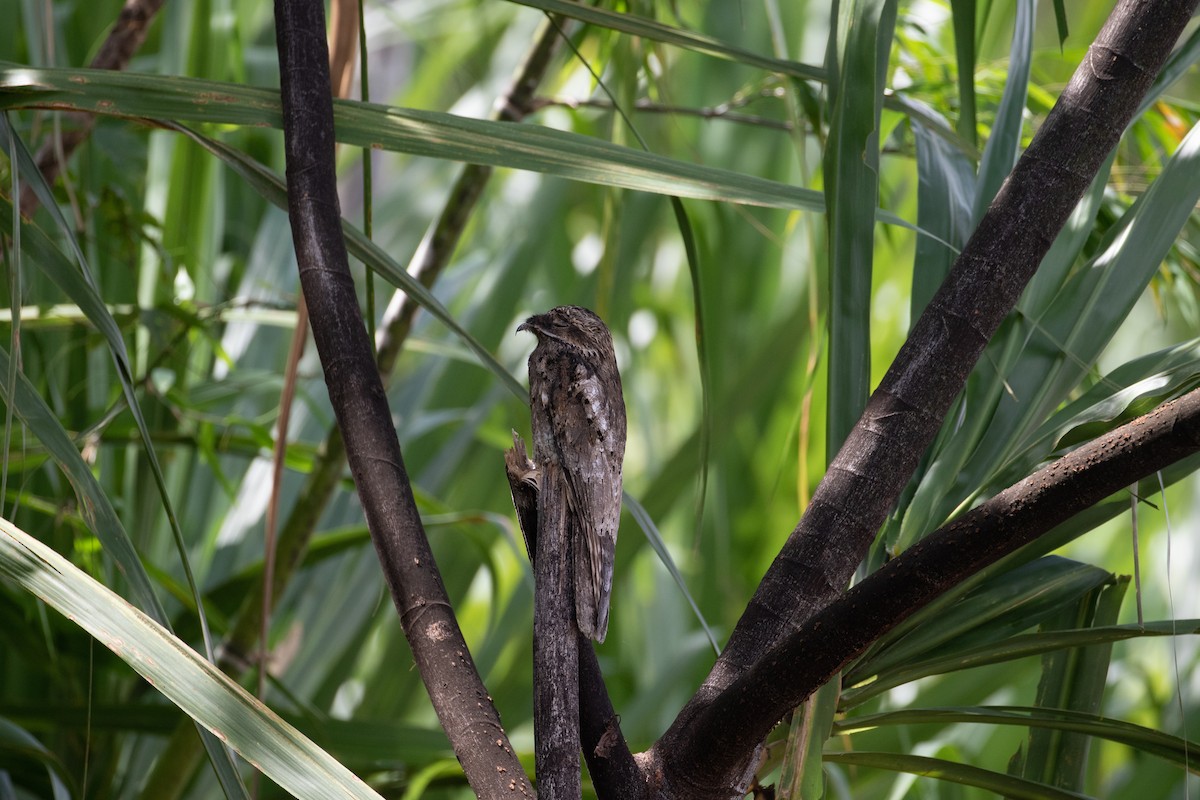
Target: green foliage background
x: 195, y: 266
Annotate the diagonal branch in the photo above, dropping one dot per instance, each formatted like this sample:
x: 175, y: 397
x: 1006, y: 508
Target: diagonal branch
x: 744, y: 713
x: 908, y: 407
x: 358, y: 399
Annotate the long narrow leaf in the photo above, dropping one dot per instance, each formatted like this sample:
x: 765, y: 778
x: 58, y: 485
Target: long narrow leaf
x: 79, y: 284
x: 656, y: 31
x: 423, y: 133
x: 851, y: 169
x: 1064, y: 343
x: 1013, y: 602
x: 1171, y: 748
x: 952, y: 772
x: 271, y: 187
x: 1000, y: 153
x: 201, y: 690
x: 1026, y: 646
x: 103, y: 521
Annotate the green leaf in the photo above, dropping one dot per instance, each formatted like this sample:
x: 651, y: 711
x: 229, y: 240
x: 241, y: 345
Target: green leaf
x: 271, y: 187
x: 1000, y: 153
x: 97, y: 511
x: 1016, y: 647
x: 1061, y: 346
x: 18, y: 744
x: 802, y: 776
x: 78, y: 284
x: 422, y: 133
x: 963, y: 15
x: 650, y: 530
x: 851, y: 169
x: 945, y: 189
x: 1060, y: 21
x: 995, y: 611
x: 1132, y: 389
x: 1072, y: 679
x: 656, y: 31
x: 1178, y: 64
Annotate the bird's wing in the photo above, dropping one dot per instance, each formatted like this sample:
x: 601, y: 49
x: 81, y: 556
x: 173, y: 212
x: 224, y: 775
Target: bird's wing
x: 590, y: 449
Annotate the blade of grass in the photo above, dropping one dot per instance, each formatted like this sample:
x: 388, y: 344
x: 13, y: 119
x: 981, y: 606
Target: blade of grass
x: 945, y: 190
x: 103, y: 521
x: 16, y: 297
x: 862, y: 39
x: 963, y: 15
x: 1072, y: 679
x: 659, y: 32
x: 18, y: 744
x: 1000, y: 152
x: 80, y: 286
x: 271, y: 187
x: 1004, y: 606
x: 423, y: 133
x: 1024, y: 646
x: 1064, y: 343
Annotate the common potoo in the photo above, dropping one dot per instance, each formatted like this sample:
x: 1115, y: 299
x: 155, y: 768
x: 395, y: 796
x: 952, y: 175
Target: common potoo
x: 578, y: 416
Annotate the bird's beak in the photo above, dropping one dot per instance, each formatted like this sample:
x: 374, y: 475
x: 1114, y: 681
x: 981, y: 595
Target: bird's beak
x: 530, y: 324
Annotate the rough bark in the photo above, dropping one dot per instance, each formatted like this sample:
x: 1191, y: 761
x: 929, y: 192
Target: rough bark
x: 906, y: 410
x: 360, y: 404
x: 743, y: 714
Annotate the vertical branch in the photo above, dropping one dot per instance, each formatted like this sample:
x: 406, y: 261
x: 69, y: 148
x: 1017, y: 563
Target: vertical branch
x: 356, y: 394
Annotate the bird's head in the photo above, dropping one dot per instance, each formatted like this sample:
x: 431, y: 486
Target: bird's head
x: 573, y: 326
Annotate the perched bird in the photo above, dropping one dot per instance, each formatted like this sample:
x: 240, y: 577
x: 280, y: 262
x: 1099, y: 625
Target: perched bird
x: 578, y: 416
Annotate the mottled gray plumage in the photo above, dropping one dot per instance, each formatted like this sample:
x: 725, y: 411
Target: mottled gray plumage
x: 578, y: 416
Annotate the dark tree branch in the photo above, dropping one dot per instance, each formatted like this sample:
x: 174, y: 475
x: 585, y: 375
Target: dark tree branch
x: 356, y: 393
x: 905, y: 412
x: 743, y: 714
